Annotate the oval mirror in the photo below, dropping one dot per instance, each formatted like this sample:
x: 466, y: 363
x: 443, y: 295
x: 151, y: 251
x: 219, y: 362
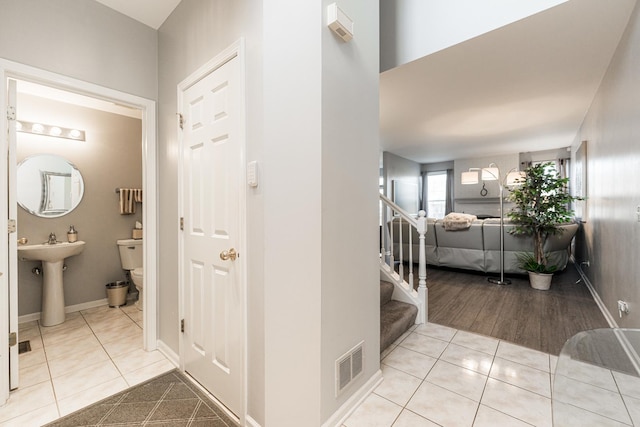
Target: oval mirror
x: 49, y: 186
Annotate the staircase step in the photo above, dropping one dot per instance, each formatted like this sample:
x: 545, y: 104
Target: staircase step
x: 386, y: 291
x: 395, y: 319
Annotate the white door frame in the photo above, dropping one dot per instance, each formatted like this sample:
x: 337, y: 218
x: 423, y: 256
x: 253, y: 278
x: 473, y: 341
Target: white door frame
x: 9, y: 69
x: 237, y: 49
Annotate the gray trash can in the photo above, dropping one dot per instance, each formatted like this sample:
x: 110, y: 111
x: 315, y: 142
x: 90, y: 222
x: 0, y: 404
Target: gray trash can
x: 117, y: 293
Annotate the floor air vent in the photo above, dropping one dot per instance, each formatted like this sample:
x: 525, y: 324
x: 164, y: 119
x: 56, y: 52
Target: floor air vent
x: 349, y: 367
x: 24, y: 347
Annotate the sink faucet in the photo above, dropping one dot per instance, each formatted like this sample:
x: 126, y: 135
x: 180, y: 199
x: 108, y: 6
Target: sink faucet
x: 52, y: 239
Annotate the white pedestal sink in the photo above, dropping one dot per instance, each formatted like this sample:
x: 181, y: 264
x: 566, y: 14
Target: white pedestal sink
x: 52, y: 257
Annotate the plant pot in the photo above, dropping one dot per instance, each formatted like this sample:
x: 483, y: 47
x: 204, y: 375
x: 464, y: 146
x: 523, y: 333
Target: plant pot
x: 540, y: 281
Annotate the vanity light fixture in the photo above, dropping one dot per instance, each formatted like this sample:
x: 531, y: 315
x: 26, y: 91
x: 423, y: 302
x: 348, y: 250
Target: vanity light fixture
x: 50, y: 130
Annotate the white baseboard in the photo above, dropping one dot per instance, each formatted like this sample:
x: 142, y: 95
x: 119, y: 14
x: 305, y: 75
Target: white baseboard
x: 250, y: 422
x: 340, y: 416
x: 68, y: 309
x: 168, y: 353
x: 603, y: 308
x: 212, y: 397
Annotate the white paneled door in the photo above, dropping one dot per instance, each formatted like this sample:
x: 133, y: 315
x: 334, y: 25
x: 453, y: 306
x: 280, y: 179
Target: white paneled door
x: 212, y: 253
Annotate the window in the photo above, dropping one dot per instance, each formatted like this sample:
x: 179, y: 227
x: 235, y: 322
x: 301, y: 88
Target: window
x: 436, y: 194
x: 550, y: 169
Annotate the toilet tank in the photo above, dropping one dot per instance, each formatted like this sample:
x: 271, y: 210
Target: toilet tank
x: 130, y: 253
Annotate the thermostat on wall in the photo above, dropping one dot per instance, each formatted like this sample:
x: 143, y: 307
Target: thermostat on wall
x: 339, y: 23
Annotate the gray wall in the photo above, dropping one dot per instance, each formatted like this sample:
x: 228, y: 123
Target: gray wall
x: 395, y: 167
x: 350, y: 162
x: 195, y: 32
x: 308, y: 303
x: 110, y: 157
x: 81, y: 39
x: 612, y: 230
x: 85, y: 40
x: 436, y: 167
x: 468, y: 198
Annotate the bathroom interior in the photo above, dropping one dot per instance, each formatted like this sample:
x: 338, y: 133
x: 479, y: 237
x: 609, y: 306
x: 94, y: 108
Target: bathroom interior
x: 108, y: 159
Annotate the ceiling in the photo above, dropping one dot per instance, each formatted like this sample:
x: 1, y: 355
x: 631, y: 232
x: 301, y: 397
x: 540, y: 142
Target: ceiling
x: 523, y: 87
x: 150, y: 12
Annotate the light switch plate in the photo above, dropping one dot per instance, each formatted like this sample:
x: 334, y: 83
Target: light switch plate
x: 252, y: 174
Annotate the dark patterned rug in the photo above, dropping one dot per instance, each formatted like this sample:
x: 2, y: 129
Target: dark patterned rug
x: 168, y: 400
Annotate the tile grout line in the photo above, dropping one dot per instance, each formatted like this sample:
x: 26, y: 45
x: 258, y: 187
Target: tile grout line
x: 105, y: 350
x: 45, y: 349
x: 84, y: 318
x: 494, y: 356
x: 475, y: 416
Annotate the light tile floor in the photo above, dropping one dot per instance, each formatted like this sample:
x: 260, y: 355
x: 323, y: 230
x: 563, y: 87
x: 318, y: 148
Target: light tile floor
x: 433, y: 376
x: 92, y: 355
x: 438, y: 376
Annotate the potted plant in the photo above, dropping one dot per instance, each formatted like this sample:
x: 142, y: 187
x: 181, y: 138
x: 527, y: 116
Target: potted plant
x: 541, y: 200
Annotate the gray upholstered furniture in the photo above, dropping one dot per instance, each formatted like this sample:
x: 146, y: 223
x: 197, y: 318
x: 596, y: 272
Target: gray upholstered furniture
x: 478, y: 247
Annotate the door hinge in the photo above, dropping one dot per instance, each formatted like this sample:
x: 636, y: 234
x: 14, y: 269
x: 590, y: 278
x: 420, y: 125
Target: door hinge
x: 11, y: 112
x: 180, y: 120
x: 11, y: 226
x: 13, y: 339
x: 182, y: 325
x: 182, y: 223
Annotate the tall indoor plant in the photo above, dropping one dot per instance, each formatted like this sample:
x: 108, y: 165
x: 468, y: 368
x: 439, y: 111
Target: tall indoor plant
x: 541, y: 204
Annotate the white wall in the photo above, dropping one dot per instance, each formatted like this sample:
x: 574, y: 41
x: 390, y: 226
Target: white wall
x: 81, y: 39
x: 611, y: 233
x: 412, y: 29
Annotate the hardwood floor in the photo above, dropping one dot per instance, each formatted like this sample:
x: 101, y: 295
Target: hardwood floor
x: 541, y: 320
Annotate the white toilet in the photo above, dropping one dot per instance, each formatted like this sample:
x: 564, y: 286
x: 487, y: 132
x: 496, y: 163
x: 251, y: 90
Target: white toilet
x: 131, y: 259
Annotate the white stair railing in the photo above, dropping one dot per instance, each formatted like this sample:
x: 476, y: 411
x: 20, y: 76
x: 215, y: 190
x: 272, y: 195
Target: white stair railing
x: 393, y: 235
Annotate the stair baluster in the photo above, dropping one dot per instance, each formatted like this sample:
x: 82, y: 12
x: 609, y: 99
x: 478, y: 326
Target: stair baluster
x: 394, y: 216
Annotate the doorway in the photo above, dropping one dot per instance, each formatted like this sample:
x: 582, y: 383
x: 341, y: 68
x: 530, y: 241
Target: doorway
x: 213, y: 222
x: 8, y: 301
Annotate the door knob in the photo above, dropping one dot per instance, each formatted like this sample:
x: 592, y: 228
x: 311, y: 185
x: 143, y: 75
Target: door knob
x: 230, y: 254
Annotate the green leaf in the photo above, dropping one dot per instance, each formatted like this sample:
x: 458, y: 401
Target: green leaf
x: 541, y: 205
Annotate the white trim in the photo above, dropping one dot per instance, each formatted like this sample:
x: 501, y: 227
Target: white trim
x: 403, y: 292
x: 68, y: 309
x: 171, y: 355
x: 4, y: 243
x: 250, y: 422
x: 149, y: 185
x: 219, y: 404
x: 237, y: 49
x: 340, y: 416
x: 603, y: 308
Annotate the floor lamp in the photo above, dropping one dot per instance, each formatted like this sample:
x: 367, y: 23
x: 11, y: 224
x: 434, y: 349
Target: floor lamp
x: 492, y: 173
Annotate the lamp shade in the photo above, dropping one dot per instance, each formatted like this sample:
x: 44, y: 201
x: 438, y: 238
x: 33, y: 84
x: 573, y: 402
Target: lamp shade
x: 515, y: 178
x: 470, y: 177
x: 490, y: 174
